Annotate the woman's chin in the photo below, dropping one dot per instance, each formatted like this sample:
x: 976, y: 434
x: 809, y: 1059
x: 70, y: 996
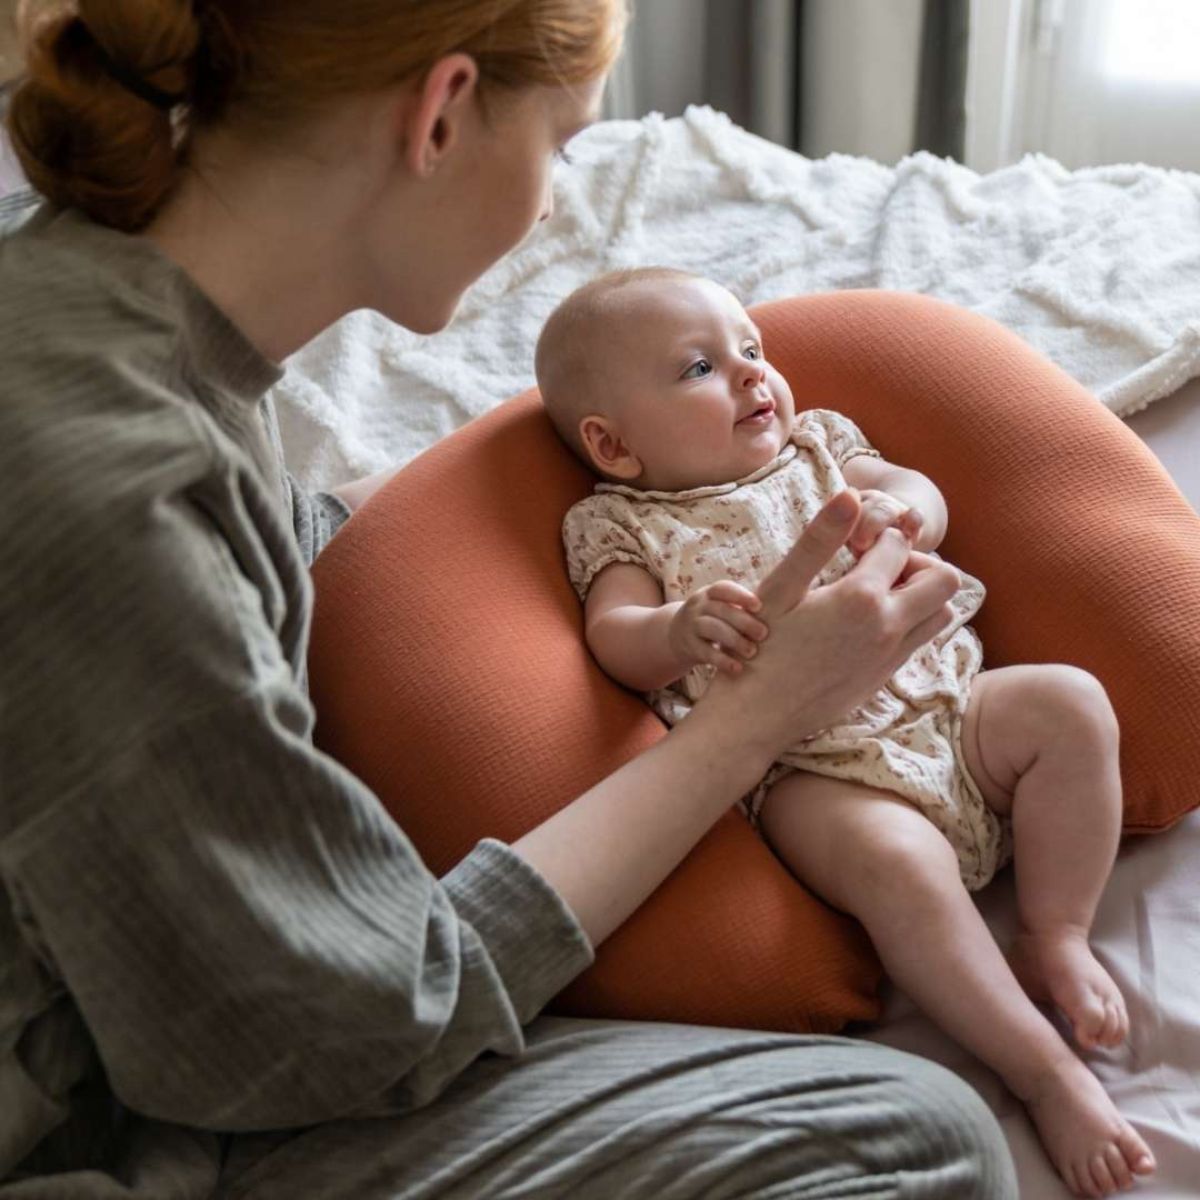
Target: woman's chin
x: 423, y: 318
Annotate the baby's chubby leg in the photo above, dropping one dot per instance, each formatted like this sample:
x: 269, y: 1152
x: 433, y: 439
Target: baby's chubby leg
x: 871, y: 854
x: 876, y: 857
x: 1040, y: 741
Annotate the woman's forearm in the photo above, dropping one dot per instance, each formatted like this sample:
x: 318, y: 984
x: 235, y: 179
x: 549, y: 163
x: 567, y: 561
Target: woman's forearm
x: 609, y: 849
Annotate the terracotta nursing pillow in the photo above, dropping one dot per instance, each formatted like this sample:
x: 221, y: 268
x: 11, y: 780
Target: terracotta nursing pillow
x: 449, y: 670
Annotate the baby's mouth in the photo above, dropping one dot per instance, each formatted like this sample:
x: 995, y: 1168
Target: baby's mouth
x: 761, y: 415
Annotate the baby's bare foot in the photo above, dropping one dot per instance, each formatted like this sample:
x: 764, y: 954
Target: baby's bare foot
x: 1058, y: 966
x: 1094, y: 1149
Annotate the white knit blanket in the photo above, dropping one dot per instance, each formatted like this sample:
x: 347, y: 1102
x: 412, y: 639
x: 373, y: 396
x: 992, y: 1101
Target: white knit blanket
x: 1099, y: 269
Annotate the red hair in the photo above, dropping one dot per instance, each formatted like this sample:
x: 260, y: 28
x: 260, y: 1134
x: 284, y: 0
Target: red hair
x: 86, y: 140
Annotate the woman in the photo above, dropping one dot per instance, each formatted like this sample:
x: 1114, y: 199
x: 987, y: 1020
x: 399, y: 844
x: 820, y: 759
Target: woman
x: 210, y: 928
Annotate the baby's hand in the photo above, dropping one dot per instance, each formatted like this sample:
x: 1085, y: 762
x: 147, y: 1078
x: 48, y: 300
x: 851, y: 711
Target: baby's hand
x: 714, y: 625
x: 882, y: 511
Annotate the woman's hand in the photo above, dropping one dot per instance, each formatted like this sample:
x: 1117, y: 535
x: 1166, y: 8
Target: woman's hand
x: 714, y: 625
x: 880, y: 511
x: 831, y: 647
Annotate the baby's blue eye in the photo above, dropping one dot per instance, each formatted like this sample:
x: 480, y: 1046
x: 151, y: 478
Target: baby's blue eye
x: 752, y: 351
x: 701, y: 368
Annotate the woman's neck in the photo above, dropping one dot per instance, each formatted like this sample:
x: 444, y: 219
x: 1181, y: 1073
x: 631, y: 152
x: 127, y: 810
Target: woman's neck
x: 267, y: 243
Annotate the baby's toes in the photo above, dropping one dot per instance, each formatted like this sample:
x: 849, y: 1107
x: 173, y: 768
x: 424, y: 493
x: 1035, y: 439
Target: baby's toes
x: 1101, y: 1177
x: 1090, y: 1019
x: 1118, y: 1168
x: 1116, y: 1022
x: 1135, y: 1151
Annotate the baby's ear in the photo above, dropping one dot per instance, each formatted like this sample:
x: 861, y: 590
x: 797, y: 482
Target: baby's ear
x: 606, y: 449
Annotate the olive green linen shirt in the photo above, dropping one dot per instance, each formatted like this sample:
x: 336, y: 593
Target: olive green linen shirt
x: 203, y: 919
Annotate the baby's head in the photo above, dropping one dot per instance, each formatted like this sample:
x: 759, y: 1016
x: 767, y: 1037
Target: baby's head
x: 657, y: 378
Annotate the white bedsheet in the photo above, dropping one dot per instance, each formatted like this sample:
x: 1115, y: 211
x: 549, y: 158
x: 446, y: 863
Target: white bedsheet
x: 1099, y: 269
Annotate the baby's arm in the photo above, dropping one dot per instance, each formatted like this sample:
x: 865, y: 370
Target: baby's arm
x: 913, y: 491
x: 646, y: 644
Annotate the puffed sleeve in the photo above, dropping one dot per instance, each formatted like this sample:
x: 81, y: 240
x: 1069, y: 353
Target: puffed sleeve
x: 841, y: 437
x: 598, y: 531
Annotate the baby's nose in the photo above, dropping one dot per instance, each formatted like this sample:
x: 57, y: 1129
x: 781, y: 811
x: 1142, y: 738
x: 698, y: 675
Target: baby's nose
x: 753, y: 372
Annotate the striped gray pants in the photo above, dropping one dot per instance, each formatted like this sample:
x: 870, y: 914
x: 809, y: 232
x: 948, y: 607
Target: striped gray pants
x: 606, y: 1110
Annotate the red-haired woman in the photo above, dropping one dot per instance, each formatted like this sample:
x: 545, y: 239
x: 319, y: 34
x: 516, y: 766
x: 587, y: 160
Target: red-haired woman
x: 225, y: 971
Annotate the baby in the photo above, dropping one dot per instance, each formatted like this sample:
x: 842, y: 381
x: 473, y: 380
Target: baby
x: 658, y: 381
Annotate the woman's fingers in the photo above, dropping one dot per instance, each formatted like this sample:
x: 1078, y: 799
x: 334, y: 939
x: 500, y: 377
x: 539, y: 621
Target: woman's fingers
x: 883, y: 564
x: 927, y: 586
x: 822, y: 538
x: 924, y: 631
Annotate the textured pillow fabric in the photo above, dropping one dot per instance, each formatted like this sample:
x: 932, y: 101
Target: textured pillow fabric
x: 449, y: 670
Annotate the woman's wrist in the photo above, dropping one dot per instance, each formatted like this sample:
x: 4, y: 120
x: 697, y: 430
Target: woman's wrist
x: 733, y: 730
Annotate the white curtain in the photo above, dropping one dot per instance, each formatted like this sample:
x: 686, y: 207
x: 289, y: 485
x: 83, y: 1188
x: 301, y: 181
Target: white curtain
x: 1113, y: 81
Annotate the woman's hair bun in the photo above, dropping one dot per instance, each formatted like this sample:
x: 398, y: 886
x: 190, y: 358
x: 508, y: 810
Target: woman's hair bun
x: 83, y: 136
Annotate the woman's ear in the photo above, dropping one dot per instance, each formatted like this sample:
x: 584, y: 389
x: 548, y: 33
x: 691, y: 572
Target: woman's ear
x: 605, y: 447
x: 430, y: 118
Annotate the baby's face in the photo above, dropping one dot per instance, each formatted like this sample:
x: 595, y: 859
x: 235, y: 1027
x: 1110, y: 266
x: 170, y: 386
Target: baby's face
x: 693, y: 397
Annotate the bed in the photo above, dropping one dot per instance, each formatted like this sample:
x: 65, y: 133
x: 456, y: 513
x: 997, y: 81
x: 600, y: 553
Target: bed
x: 1099, y: 269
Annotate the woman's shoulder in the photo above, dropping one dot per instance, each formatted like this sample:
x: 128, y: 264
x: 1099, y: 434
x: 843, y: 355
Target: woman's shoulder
x: 101, y: 396
x: 58, y: 269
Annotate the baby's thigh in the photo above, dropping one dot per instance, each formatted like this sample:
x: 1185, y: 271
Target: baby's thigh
x: 849, y: 842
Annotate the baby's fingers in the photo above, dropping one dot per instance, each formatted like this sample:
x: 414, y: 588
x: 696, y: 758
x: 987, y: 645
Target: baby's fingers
x: 910, y: 523
x: 733, y: 593
x: 721, y: 633
x: 740, y: 620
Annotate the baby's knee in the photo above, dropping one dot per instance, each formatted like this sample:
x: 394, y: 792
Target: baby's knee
x: 901, y: 852
x: 1074, y: 703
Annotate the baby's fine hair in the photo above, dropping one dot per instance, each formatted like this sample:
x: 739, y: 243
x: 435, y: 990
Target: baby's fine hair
x: 568, y: 345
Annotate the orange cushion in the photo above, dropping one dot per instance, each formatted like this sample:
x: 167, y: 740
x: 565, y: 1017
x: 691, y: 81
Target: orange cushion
x: 449, y: 670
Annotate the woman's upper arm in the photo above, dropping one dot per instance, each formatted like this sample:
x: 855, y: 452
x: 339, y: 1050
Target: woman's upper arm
x: 250, y: 939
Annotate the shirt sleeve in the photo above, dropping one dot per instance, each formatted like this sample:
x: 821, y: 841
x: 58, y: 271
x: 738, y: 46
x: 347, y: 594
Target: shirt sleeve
x: 596, y: 533
x: 843, y: 439
x: 316, y: 517
x: 249, y: 938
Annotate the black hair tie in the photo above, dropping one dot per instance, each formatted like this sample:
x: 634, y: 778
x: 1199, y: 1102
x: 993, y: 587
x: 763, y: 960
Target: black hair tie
x: 134, y: 83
